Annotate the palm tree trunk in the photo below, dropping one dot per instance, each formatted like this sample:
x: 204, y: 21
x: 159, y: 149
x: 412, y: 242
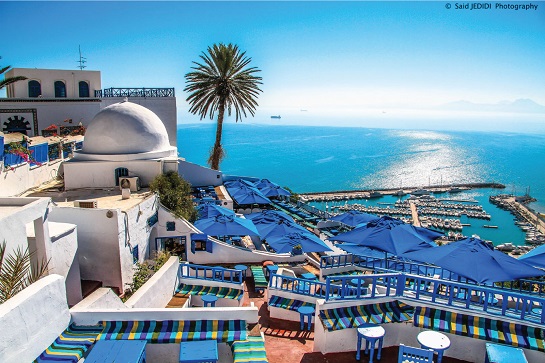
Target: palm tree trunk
x: 217, y: 151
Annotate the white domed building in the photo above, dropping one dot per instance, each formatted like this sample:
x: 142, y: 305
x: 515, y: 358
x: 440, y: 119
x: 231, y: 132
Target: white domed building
x: 122, y: 140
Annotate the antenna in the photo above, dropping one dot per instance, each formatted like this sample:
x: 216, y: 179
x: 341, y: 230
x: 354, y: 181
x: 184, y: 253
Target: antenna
x: 82, y: 60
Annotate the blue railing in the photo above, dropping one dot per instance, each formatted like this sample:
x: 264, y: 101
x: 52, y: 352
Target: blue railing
x: 210, y: 273
x: 452, y: 294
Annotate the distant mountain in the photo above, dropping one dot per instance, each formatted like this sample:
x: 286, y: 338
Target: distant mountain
x: 522, y: 105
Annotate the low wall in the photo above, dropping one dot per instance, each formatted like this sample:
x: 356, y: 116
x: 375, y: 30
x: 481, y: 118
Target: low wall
x: 102, y: 298
x: 33, y: 319
x: 159, y: 289
x: 292, y: 315
x: 249, y: 314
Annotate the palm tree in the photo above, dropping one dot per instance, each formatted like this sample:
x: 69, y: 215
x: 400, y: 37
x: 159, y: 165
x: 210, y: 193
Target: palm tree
x: 17, y: 271
x: 9, y: 80
x: 222, y: 82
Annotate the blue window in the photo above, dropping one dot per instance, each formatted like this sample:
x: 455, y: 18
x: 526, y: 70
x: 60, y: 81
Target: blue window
x: 153, y: 219
x: 60, y: 89
x: 83, y: 89
x: 39, y: 154
x: 119, y: 172
x: 34, y: 89
x: 79, y: 145
x: 171, y: 226
x: 135, y: 254
x: 1, y: 147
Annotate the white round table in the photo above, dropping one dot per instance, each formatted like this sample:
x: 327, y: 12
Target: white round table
x: 430, y: 339
x: 371, y: 333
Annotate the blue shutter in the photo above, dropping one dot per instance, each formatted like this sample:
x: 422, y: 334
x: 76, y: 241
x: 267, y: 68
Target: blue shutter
x: 39, y: 153
x: 1, y: 147
x: 209, y: 245
x: 193, y: 243
x: 135, y: 254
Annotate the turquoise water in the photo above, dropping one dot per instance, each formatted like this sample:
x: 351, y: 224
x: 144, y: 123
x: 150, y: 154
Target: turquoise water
x: 311, y: 159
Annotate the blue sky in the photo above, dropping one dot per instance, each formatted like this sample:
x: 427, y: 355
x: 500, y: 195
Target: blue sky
x: 354, y: 63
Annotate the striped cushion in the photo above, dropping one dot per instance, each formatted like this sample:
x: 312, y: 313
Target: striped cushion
x: 71, y: 345
x: 259, y: 277
x: 222, y: 292
x: 288, y: 304
x: 353, y: 316
x: 170, y: 331
x: 251, y: 350
x: 493, y: 330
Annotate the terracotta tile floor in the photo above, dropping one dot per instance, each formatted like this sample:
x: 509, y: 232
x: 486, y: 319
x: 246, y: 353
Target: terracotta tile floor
x: 285, y: 343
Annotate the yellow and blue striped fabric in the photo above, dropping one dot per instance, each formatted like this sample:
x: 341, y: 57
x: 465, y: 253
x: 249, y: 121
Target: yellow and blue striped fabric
x: 71, y: 345
x: 172, y: 331
x: 251, y: 350
x: 354, y: 316
x: 222, y: 292
x: 288, y: 304
x: 493, y: 330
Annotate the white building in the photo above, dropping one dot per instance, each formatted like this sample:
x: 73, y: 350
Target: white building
x: 67, y: 98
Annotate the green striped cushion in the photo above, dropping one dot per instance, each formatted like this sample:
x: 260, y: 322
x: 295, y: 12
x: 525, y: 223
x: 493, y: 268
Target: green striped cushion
x: 71, y: 345
x: 222, y: 292
x: 288, y: 304
x: 259, y: 277
x: 251, y: 350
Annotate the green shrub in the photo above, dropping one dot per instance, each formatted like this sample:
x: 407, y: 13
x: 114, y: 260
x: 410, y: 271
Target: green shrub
x: 175, y: 194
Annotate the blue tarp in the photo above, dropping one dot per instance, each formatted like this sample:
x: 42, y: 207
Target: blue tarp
x: 227, y: 226
x: 353, y: 218
x: 389, y: 235
x: 535, y: 257
x: 477, y: 261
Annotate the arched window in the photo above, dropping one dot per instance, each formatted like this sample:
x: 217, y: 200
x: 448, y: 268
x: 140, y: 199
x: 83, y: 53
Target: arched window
x: 83, y: 89
x: 118, y: 173
x: 60, y: 89
x: 34, y: 89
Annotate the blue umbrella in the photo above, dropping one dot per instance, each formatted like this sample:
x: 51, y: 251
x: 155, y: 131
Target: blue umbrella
x: 227, y: 225
x: 270, y: 189
x: 207, y: 210
x: 269, y: 214
x: 389, y: 235
x: 269, y: 229
x: 535, y: 257
x: 360, y: 250
x: 477, y: 261
x: 243, y: 193
x: 308, y: 243
x: 353, y: 218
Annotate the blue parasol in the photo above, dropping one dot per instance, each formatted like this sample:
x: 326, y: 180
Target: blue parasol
x: 353, y: 218
x: 307, y: 241
x: 227, y: 225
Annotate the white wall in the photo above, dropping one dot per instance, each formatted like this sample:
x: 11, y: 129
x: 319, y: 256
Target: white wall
x: 23, y: 177
x: 98, y: 242
x: 47, y: 78
x: 51, y: 112
x: 101, y: 298
x: 32, y: 320
x: 100, y: 174
x: 198, y: 175
x: 63, y: 258
x: 159, y: 289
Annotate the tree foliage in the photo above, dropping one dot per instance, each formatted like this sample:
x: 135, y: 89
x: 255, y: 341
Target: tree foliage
x: 175, y: 194
x: 144, y: 271
x: 222, y: 82
x: 17, y: 271
x: 9, y: 80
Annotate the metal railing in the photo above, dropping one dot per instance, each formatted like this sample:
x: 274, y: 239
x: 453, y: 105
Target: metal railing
x: 134, y: 92
x: 452, y: 294
x: 211, y: 273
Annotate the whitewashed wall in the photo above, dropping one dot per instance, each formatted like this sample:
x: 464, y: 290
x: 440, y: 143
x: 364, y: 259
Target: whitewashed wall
x: 101, y: 298
x: 159, y: 289
x: 98, y: 242
x: 63, y: 258
x: 47, y: 78
x: 24, y: 177
x: 100, y: 174
x: 31, y: 320
x: 52, y: 112
x: 198, y: 175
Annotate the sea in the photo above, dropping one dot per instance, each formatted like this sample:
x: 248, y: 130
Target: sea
x: 318, y: 159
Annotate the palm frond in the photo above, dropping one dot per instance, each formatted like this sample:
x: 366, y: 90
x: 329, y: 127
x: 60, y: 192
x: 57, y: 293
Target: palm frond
x: 9, y: 80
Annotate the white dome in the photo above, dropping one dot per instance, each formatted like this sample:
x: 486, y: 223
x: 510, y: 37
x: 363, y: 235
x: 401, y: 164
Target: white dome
x: 125, y: 128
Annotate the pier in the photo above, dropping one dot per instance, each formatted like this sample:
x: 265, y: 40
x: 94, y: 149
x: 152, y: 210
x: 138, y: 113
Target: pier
x: 370, y: 193
x: 414, y: 213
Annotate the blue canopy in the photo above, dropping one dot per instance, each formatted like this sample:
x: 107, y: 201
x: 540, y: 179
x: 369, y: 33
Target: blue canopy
x: 360, y: 250
x: 227, y: 225
x: 269, y: 214
x: 244, y: 192
x: 270, y: 189
x: 477, y: 261
x: 353, y: 218
x: 307, y: 241
x: 268, y: 229
x: 207, y: 210
x: 389, y: 235
x: 535, y: 257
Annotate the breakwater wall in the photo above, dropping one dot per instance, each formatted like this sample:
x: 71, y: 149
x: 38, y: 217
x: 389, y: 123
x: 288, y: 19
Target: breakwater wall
x: 408, y: 189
